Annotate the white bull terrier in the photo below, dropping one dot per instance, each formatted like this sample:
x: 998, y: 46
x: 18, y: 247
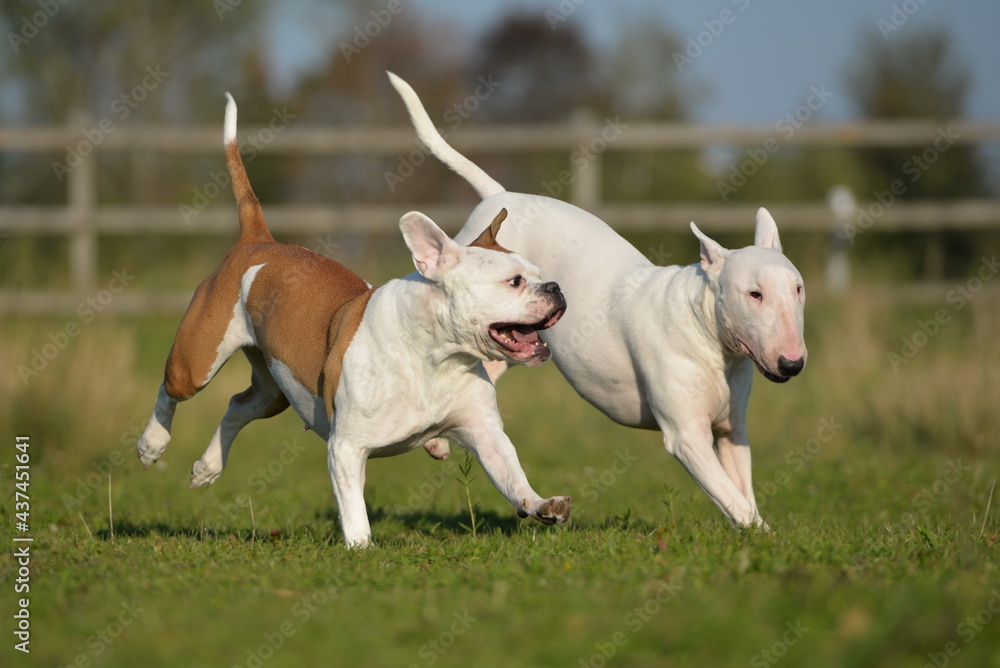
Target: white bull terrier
x: 668, y: 348
x: 374, y: 371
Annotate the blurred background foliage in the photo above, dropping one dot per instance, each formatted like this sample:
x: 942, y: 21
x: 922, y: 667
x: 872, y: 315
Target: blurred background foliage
x: 82, y: 62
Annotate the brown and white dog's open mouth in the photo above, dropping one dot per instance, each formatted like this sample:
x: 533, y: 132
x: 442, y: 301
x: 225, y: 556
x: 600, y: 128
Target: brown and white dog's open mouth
x: 520, y: 341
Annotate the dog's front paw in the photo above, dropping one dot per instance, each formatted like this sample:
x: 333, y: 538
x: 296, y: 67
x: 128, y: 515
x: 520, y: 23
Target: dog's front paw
x: 554, y: 510
x: 203, y: 473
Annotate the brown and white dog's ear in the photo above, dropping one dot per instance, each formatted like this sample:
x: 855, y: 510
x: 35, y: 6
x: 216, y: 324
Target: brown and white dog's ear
x: 433, y: 251
x: 488, y: 239
x: 712, y: 253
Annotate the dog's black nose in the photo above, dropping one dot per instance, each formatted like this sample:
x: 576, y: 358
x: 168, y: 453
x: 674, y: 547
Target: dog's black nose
x: 790, y: 367
x: 550, y: 287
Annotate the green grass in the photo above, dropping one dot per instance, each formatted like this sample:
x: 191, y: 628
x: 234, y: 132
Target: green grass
x: 880, y: 553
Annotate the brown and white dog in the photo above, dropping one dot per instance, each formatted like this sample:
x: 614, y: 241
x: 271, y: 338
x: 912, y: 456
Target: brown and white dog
x: 374, y: 371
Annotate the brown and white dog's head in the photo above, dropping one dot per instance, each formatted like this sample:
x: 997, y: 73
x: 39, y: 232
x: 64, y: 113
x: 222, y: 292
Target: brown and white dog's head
x: 490, y: 303
x: 759, y: 300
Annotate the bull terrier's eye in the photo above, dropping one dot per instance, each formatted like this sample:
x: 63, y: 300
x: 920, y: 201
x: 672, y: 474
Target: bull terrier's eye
x: 516, y: 281
x: 756, y: 295
x: 798, y: 289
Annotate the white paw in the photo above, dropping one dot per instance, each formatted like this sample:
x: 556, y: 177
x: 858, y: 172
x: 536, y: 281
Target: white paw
x: 152, y: 444
x: 554, y: 510
x: 204, y: 473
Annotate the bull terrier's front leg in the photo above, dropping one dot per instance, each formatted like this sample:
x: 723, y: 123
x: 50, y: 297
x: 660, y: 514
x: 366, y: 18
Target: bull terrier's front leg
x: 497, y: 455
x: 347, y: 472
x: 692, y: 445
x: 733, y: 451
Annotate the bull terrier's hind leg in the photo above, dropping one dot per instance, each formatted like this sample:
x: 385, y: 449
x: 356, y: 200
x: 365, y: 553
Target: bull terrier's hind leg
x: 263, y: 399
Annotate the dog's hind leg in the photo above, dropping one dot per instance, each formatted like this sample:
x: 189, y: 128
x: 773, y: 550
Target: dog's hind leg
x: 203, y: 344
x: 263, y: 399
x: 157, y: 434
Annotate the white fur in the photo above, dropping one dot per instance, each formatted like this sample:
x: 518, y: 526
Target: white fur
x: 156, y: 436
x: 655, y: 347
x: 309, y: 407
x: 239, y: 331
x: 479, y: 179
x: 229, y: 128
x: 413, y: 370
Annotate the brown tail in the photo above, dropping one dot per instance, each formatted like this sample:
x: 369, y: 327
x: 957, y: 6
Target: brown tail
x: 253, y: 229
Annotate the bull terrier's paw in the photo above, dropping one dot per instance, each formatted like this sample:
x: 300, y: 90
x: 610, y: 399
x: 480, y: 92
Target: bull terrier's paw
x: 757, y: 524
x: 554, y: 510
x: 359, y: 544
x: 152, y: 444
x: 204, y: 473
x: 438, y: 448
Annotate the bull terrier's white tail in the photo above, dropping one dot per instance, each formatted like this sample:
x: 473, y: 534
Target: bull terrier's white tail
x: 468, y: 170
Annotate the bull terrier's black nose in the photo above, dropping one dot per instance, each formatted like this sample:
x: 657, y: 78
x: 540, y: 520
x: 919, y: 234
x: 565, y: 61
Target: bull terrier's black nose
x: 551, y: 286
x: 790, y: 367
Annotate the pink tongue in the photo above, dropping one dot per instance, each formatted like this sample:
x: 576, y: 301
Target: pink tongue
x: 524, y: 334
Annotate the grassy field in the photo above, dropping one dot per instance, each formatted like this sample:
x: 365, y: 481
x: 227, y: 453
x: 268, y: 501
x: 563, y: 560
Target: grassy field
x: 875, y: 480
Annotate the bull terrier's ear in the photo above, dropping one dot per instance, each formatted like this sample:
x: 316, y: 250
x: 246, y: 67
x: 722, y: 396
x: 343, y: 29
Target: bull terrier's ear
x: 712, y: 254
x: 766, y: 233
x: 433, y: 251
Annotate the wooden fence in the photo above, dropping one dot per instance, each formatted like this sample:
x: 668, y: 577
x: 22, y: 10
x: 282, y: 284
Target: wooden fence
x: 83, y: 218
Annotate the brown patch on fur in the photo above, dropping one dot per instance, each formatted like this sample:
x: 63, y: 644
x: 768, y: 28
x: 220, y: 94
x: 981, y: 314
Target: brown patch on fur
x: 203, y: 327
x: 304, y: 308
x: 488, y: 239
x: 253, y: 229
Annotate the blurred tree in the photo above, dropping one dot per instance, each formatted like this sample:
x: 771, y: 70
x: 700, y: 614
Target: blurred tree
x: 918, y: 76
x: 641, y: 83
x: 640, y: 76
x: 113, y: 64
x: 351, y: 88
x: 545, y: 73
x: 548, y: 71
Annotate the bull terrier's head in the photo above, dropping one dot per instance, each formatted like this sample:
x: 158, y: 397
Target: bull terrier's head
x: 489, y: 303
x: 759, y: 300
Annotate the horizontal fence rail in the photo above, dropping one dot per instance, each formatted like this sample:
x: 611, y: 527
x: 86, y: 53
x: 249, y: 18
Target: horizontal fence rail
x: 83, y: 218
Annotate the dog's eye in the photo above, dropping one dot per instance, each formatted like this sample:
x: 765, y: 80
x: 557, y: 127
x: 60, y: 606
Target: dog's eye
x: 516, y: 281
x: 756, y: 295
x: 798, y: 289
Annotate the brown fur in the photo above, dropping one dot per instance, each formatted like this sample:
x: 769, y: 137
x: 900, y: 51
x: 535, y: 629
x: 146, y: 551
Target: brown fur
x: 488, y: 239
x: 304, y: 308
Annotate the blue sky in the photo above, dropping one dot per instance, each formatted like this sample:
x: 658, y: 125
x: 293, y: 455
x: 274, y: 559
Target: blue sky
x: 761, y: 65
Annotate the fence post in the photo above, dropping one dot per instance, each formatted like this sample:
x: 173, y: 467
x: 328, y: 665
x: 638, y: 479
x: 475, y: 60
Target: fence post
x: 586, y: 190
x: 80, y: 201
x: 838, y: 268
